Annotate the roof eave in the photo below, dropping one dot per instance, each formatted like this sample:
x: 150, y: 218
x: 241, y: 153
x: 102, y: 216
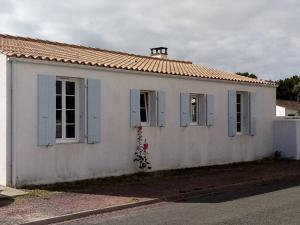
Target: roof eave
x: 63, y: 63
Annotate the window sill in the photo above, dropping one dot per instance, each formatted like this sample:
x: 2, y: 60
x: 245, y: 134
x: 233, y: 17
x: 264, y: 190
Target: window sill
x: 66, y: 141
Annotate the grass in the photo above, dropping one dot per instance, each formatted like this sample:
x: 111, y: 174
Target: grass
x: 35, y: 193
x: 134, y: 200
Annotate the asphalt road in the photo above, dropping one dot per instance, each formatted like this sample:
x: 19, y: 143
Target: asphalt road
x: 276, y: 203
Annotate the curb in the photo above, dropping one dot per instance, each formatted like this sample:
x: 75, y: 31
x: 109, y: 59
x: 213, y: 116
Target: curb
x: 177, y: 197
x: 87, y: 213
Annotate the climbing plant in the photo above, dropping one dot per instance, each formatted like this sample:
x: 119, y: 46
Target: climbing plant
x: 141, y: 153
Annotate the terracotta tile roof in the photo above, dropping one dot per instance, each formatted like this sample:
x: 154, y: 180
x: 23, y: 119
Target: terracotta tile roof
x: 22, y: 47
x: 289, y: 104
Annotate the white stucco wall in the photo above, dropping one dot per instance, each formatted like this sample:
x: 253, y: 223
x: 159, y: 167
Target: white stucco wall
x: 4, y: 122
x: 170, y: 147
x: 280, y: 111
x: 286, y: 137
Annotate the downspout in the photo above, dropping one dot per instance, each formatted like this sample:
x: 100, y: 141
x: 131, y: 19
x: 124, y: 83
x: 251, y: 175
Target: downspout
x: 12, y: 123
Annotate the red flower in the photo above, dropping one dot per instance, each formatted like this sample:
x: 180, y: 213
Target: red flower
x: 145, y: 146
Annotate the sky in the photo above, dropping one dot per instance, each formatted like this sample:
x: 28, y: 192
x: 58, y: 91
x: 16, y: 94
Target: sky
x: 257, y: 36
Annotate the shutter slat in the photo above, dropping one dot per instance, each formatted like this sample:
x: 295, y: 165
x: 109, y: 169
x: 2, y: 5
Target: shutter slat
x: 202, y: 109
x: 184, y: 109
x: 231, y: 113
x: 252, y: 114
x: 93, y: 111
x: 46, y: 110
x: 210, y: 115
x: 135, y: 117
x: 161, y: 109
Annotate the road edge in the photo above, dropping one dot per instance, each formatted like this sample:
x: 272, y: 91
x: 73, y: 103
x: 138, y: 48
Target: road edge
x: 177, y: 197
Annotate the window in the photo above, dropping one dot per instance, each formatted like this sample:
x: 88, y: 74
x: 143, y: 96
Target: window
x: 239, y: 112
x: 194, y: 109
x: 197, y: 104
x: 144, y: 108
x: 66, y: 110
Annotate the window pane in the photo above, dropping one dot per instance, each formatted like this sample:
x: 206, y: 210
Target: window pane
x: 238, y: 98
x: 58, y: 116
x: 58, y: 131
x: 194, y: 118
x: 194, y: 113
x: 238, y: 127
x: 70, y: 131
x: 70, y: 116
x: 70, y: 102
x: 146, y: 96
x: 143, y: 115
x: 238, y: 117
x: 239, y: 113
x: 142, y: 100
x: 58, y: 102
x: 70, y: 88
x: 194, y: 110
x: 238, y: 107
x: 58, y: 87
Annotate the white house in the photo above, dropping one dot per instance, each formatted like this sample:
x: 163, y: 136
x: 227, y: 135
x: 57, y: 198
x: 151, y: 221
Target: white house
x: 70, y: 112
x: 287, y: 108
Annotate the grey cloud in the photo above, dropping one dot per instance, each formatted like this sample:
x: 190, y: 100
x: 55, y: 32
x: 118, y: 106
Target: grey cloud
x: 258, y: 36
x: 6, y: 7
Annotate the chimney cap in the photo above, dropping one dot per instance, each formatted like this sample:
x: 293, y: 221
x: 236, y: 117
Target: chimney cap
x: 159, y: 48
x: 159, y: 51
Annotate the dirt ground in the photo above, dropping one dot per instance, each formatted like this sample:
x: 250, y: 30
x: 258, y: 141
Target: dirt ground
x: 54, y: 200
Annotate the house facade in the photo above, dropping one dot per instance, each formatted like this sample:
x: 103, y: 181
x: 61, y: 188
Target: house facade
x: 287, y: 107
x: 71, y: 113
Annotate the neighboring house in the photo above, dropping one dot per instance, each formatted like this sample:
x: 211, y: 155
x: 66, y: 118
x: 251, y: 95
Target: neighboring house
x: 70, y: 112
x: 287, y: 108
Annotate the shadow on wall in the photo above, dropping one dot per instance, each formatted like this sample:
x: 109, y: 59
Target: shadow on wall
x: 169, y: 183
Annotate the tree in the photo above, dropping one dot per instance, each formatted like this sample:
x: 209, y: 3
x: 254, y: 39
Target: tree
x: 289, y: 88
x: 246, y: 74
x: 296, y: 91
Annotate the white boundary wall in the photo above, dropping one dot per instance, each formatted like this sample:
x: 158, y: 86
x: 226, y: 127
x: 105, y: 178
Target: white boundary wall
x: 287, y: 137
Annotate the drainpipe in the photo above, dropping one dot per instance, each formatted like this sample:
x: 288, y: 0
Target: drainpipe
x: 12, y: 123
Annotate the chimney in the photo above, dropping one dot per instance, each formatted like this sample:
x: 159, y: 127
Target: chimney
x: 159, y: 52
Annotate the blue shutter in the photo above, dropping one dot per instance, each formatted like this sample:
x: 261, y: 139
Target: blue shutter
x: 184, y: 109
x: 161, y: 114
x: 210, y: 115
x: 93, y: 111
x: 135, y: 117
x: 252, y: 114
x: 202, y: 110
x: 231, y: 113
x: 46, y: 110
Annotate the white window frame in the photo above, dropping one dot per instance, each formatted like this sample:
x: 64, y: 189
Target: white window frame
x: 241, y: 113
x: 197, y: 122
x: 147, y: 107
x: 63, y: 124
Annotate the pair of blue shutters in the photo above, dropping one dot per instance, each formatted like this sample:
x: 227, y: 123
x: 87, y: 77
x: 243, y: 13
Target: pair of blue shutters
x: 249, y: 111
x: 208, y: 111
x: 47, y: 106
x: 135, y: 117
